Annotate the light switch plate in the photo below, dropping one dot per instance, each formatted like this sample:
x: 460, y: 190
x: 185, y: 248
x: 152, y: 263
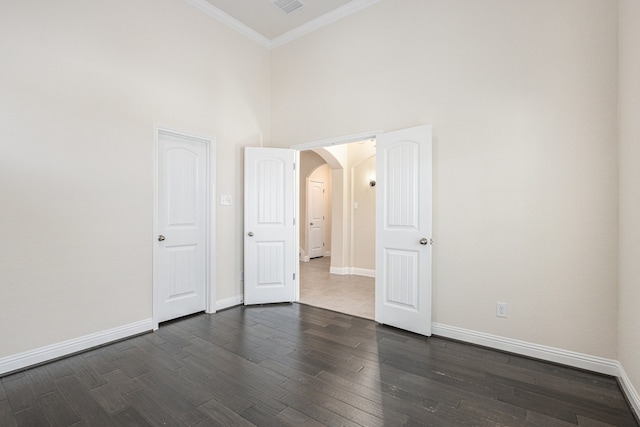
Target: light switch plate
x: 225, y: 200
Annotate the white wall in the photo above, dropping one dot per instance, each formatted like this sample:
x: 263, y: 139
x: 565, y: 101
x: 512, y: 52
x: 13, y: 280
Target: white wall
x: 82, y: 84
x: 629, y: 319
x: 364, y: 217
x: 522, y: 97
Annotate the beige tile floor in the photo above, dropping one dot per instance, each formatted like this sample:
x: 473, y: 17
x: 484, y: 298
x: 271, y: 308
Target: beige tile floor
x: 354, y: 295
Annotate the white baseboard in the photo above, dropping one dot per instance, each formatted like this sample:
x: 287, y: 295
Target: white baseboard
x: 338, y: 270
x: 363, y: 272
x: 55, y: 351
x: 229, y: 302
x: 629, y: 390
x: 550, y: 354
x: 355, y: 271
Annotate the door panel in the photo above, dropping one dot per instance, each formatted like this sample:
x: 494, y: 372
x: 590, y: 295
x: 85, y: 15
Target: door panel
x: 269, y: 230
x: 403, y: 218
x: 180, y: 264
x: 315, y: 211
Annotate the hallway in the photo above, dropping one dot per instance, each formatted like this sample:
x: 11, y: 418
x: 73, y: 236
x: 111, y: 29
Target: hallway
x: 354, y: 295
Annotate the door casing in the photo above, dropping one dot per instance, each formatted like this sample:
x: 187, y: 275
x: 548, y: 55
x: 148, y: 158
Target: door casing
x: 326, y: 143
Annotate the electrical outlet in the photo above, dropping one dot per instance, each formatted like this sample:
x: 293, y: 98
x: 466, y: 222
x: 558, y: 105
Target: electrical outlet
x: 501, y: 309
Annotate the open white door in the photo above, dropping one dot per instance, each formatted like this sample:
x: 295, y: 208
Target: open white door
x: 269, y: 239
x: 180, y: 249
x: 403, y: 229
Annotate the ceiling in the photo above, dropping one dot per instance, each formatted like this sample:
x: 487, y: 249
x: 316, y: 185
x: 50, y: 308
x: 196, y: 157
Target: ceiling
x: 266, y: 24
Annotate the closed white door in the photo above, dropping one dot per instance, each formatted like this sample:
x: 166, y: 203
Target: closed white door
x: 180, y: 247
x: 403, y: 229
x: 315, y: 217
x: 269, y: 252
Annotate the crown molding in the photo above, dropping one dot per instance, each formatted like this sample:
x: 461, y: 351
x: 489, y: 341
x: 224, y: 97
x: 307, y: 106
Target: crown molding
x: 319, y: 22
x: 230, y: 21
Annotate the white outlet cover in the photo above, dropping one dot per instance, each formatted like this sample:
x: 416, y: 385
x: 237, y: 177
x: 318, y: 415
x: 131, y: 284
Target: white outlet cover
x: 225, y: 200
x: 501, y: 309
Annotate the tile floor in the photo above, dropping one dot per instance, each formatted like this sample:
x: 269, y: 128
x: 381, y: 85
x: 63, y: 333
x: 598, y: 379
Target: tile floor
x: 354, y: 295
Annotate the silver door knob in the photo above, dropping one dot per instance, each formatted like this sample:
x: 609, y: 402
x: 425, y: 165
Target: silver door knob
x: 423, y: 241
x: 161, y: 238
x: 250, y: 234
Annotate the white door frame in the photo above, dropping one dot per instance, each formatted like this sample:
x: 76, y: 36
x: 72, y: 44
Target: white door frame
x: 308, y: 146
x: 210, y: 284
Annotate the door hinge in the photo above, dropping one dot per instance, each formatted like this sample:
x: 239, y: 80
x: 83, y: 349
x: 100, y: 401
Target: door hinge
x: 294, y: 166
x: 294, y: 221
x: 294, y: 277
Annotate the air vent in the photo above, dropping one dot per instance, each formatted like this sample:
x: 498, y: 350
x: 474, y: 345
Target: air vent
x: 287, y: 6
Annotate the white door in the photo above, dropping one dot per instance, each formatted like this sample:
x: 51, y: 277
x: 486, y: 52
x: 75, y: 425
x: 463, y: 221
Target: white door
x: 403, y: 229
x: 269, y: 242
x: 315, y: 218
x: 180, y: 249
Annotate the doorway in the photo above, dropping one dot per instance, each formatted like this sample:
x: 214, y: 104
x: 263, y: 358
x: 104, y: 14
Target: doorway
x: 184, y: 224
x: 344, y: 283
x: 403, y: 225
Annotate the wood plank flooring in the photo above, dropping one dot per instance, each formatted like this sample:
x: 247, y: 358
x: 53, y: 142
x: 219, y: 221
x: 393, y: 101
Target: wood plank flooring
x: 299, y: 365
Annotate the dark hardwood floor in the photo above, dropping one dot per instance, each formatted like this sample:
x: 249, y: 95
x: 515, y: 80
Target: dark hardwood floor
x: 299, y: 365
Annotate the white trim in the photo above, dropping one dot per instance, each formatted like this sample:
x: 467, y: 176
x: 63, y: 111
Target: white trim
x: 303, y: 255
x: 336, y: 141
x: 230, y: 21
x: 65, y: 348
x: 352, y: 271
x: 212, y: 151
x: 315, y: 24
x: 321, y: 21
x: 550, y: 354
x: 296, y: 223
x: 630, y: 392
x: 229, y: 302
x: 210, y: 143
x: 363, y: 272
x: 339, y: 270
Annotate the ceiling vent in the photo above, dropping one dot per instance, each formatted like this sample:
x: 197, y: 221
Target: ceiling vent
x: 287, y: 6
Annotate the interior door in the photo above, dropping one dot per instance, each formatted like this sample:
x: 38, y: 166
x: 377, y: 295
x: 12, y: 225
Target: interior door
x: 403, y: 229
x: 180, y: 250
x: 315, y: 217
x: 269, y: 241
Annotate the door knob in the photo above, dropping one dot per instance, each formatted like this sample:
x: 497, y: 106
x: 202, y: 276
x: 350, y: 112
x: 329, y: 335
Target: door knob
x: 250, y: 234
x: 423, y: 241
x: 160, y: 238
x: 310, y: 223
